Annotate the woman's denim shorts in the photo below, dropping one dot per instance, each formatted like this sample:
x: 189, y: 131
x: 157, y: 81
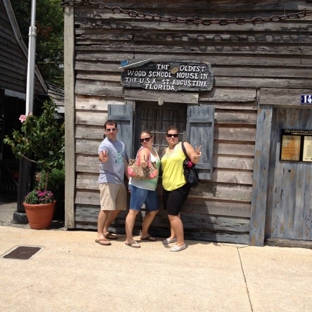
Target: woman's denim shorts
x: 141, y: 196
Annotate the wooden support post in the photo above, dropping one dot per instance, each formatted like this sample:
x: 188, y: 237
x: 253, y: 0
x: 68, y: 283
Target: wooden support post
x: 260, y: 180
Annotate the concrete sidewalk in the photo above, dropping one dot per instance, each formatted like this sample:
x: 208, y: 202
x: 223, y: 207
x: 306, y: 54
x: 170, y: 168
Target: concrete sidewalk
x: 73, y: 273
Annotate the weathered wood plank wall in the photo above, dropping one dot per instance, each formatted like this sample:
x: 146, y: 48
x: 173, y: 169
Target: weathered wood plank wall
x: 244, y: 59
x: 13, y: 60
x: 13, y: 64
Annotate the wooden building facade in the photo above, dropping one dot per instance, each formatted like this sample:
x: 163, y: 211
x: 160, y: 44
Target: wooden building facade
x: 260, y: 60
x: 13, y: 77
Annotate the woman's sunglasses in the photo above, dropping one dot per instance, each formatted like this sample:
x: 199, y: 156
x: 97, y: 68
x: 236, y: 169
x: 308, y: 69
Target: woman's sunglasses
x: 172, y: 135
x: 145, y: 140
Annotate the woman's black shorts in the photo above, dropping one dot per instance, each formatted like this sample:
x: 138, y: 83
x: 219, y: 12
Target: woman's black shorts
x: 174, y: 200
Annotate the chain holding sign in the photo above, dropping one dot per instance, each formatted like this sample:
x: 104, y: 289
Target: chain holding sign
x: 169, y: 76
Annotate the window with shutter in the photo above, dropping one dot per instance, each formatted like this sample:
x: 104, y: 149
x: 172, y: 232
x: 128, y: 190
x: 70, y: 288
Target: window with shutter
x: 123, y: 115
x: 200, y: 132
x: 150, y: 116
x: 195, y: 123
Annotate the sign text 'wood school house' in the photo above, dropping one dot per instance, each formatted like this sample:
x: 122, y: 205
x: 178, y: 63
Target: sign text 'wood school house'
x: 235, y: 77
x: 168, y: 76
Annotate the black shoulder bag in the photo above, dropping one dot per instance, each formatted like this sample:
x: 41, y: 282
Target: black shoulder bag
x: 190, y: 172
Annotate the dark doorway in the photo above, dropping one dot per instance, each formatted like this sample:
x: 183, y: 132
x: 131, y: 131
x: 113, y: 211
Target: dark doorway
x: 10, y: 110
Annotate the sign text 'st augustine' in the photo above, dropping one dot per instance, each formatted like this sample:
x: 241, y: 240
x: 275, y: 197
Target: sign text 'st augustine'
x: 169, y: 76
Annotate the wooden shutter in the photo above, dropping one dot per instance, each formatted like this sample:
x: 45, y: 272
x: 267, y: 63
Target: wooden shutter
x: 123, y: 115
x: 200, y: 130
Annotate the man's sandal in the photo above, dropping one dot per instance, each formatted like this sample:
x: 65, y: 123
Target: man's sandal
x: 109, y: 235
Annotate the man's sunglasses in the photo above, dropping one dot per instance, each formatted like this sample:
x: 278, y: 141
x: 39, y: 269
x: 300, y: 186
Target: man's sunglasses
x: 109, y: 130
x: 145, y: 139
x: 172, y: 135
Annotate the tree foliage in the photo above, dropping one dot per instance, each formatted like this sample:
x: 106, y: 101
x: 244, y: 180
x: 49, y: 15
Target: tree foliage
x: 40, y: 140
x: 50, y: 35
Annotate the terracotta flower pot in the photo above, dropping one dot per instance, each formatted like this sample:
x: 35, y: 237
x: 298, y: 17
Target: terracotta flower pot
x: 39, y: 215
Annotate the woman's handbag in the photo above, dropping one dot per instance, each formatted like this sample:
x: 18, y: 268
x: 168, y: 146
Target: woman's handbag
x: 190, y: 172
x: 136, y: 171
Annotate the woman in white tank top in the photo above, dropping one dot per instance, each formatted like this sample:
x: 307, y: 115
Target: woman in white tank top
x: 143, y: 192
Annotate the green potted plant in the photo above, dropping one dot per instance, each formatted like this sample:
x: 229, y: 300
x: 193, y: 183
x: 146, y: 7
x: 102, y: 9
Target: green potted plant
x: 41, y: 141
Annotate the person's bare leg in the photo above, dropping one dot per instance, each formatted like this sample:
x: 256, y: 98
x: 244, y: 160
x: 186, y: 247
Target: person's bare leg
x: 148, y: 219
x: 177, y: 228
x: 102, y: 218
x: 110, y: 218
x: 129, y: 224
x: 172, y: 234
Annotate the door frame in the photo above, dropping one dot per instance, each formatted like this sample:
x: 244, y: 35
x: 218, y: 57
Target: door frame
x: 269, y: 98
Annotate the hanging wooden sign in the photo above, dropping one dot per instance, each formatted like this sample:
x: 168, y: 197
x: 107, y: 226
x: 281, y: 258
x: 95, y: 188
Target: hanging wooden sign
x: 168, y: 76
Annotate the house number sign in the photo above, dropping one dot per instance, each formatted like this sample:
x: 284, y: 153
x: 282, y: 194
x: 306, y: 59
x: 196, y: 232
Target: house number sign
x: 168, y: 76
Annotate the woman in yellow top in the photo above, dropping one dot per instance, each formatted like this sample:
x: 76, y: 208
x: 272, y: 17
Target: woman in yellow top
x: 175, y: 186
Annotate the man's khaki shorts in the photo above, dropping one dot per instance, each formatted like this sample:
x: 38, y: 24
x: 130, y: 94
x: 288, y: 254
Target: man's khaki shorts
x: 113, y: 196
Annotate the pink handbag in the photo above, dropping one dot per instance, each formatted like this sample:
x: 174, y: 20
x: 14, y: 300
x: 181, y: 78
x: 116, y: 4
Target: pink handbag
x: 136, y: 171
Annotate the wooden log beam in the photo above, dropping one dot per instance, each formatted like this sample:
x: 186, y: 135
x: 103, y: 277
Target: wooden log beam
x: 168, y: 97
x: 289, y: 243
x: 287, y: 98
